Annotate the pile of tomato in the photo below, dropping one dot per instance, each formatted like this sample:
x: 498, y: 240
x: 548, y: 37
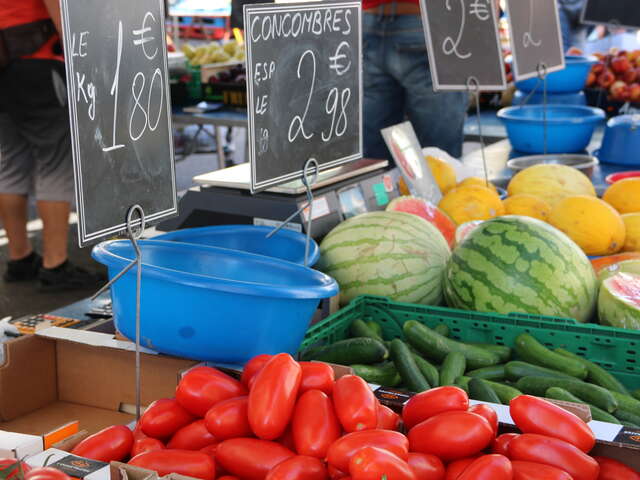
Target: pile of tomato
x: 288, y: 420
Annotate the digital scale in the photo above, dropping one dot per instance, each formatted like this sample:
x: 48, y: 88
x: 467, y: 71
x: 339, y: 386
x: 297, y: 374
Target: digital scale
x: 222, y: 197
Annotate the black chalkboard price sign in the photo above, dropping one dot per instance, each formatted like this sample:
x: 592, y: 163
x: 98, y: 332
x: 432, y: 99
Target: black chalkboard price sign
x: 463, y: 44
x: 115, y: 53
x: 304, y: 71
x: 616, y: 13
x: 536, y: 38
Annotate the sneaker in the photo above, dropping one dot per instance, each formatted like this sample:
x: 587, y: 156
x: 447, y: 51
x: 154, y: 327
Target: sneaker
x: 24, y: 269
x: 68, y: 277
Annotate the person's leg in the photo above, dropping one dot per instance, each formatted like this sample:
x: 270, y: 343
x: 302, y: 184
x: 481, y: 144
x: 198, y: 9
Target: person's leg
x: 13, y: 212
x: 55, y: 232
x: 565, y: 28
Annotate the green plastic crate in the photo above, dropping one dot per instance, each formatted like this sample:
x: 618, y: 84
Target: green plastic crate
x: 616, y: 350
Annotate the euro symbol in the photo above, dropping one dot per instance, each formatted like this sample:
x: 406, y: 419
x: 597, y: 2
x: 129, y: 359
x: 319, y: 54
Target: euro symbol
x: 143, y: 40
x: 336, y: 63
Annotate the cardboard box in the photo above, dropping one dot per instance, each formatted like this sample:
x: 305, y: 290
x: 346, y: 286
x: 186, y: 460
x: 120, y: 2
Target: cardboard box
x: 122, y: 471
x: 19, y: 445
x: 75, y: 467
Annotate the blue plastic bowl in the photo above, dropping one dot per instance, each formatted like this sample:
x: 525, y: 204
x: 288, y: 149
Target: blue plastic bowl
x: 569, y: 127
x: 621, y: 142
x: 537, y: 98
x: 210, y: 303
x: 571, y: 79
x: 285, y: 245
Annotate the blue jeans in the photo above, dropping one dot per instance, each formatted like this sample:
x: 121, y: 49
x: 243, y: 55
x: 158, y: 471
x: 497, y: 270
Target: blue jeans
x: 574, y: 34
x: 397, y: 85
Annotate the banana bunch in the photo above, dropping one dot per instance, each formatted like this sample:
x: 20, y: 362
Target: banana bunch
x: 214, y: 53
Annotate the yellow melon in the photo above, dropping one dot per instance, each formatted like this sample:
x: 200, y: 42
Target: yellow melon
x: 527, y: 205
x: 551, y: 183
x: 624, y: 195
x: 632, y: 225
x: 472, y: 202
x: 481, y: 182
x: 590, y: 222
x: 443, y: 173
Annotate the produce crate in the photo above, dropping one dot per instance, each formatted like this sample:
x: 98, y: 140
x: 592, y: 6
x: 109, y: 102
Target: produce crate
x: 616, y: 350
x: 231, y: 94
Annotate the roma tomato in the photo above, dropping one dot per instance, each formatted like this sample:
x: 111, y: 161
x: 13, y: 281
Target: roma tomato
x: 273, y: 396
x: 229, y: 419
x: 112, y: 444
x: 252, y: 368
x: 426, y: 467
x: 227, y: 477
x: 184, y: 462
x: 340, y: 452
x: 192, y: 437
x: 315, y: 425
x: 373, y: 463
x: 535, y: 415
x: 432, y: 402
x: 10, y: 468
x: 457, y: 468
x: 530, y: 447
x: 387, y: 418
x: 46, y: 473
x: 488, y: 467
x: 355, y: 404
x: 537, y: 471
x: 299, y: 467
x: 316, y: 376
x: 202, y: 387
x: 501, y: 444
x: 163, y: 418
x: 488, y: 413
x: 286, y: 439
x: 611, y: 469
x: 145, y: 444
x: 335, y: 474
x: 251, y: 458
x: 451, y: 435
x: 210, y: 450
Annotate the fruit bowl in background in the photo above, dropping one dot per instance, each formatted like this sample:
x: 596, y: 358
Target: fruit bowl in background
x: 569, y: 80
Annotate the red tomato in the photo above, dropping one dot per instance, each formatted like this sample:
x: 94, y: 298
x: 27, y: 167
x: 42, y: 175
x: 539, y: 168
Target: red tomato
x: 252, y: 368
x: 299, y: 467
x: 145, y: 444
x: 227, y: 477
x: 46, y: 473
x: 488, y: 467
x: 451, y: 435
x: 387, y: 418
x: 315, y: 425
x: 286, y: 439
x: 341, y: 451
x: 163, y: 418
x: 229, y: 419
x: 457, y: 468
x: 112, y: 444
x: 426, y: 467
x: 432, y: 402
x: 273, y: 396
x: 316, y: 376
x: 530, y: 447
x: 335, y: 474
x: 500, y: 445
x: 202, y: 387
x: 192, y: 437
x: 535, y: 415
x: 537, y: 471
x: 210, y: 450
x: 373, y: 463
x: 488, y: 413
x: 355, y: 404
x: 251, y: 458
x: 611, y: 469
x: 13, y: 466
x: 184, y: 462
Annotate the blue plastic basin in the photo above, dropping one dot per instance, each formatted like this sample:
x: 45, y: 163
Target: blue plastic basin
x: 285, y: 245
x: 537, y: 98
x: 569, y: 127
x: 571, y: 79
x: 213, y: 304
x: 621, y: 142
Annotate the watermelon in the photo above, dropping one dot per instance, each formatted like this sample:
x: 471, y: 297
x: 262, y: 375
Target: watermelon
x: 428, y: 211
x: 619, y: 301
x: 520, y: 264
x: 393, y: 254
x: 599, y: 263
x: 465, y: 229
x: 628, y: 266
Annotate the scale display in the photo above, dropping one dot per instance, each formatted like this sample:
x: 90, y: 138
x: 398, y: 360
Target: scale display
x: 615, y: 13
x: 352, y: 202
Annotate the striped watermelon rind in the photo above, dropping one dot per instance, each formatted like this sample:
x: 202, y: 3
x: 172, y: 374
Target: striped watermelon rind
x: 520, y: 264
x: 393, y: 254
x: 619, y: 301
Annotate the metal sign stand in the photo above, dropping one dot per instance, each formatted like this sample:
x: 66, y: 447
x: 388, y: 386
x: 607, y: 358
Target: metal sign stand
x: 474, y: 86
x: 542, y: 79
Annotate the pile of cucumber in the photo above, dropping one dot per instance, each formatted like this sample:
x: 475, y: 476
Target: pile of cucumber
x: 428, y: 358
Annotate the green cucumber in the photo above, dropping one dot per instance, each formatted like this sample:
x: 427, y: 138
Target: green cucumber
x: 515, y: 370
x: 597, y: 374
x: 558, y: 393
x: 462, y: 387
x: 479, y: 389
x: 636, y: 393
x: 592, y: 394
x: 349, y: 351
x: 385, y: 374
x: 430, y: 372
x: 628, y: 418
x: 442, y: 329
x: 532, y: 351
x: 407, y: 368
x: 463, y: 381
x: 495, y: 372
x: 628, y: 403
x: 505, y: 393
x: 503, y: 352
x: 453, y: 366
x: 360, y: 329
x: 433, y: 345
x: 375, y: 327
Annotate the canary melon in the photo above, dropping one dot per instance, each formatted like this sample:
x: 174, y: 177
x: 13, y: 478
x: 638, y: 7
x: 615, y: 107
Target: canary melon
x: 443, y: 173
x: 632, y: 226
x: 624, y: 195
x: 481, y: 182
x: 527, y: 205
x: 471, y: 202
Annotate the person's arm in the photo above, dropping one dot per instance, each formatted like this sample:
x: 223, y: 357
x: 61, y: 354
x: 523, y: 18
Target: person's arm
x: 53, y: 7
